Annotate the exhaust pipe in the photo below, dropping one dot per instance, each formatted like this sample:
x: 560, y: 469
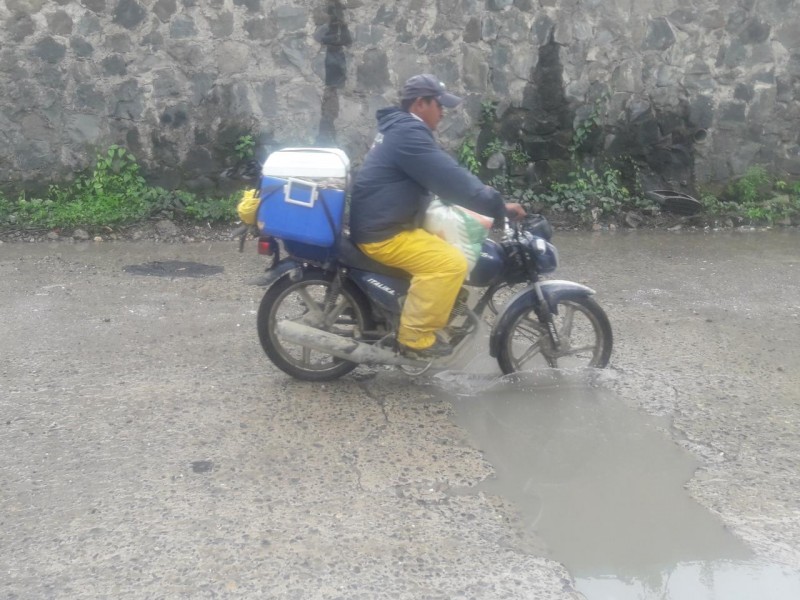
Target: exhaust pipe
x: 346, y: 348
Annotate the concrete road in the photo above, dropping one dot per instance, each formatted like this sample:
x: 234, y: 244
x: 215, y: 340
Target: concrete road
x: 152, y: 451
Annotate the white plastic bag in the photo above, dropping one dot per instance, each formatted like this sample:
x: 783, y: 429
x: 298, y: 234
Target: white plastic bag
x: 461, y: 227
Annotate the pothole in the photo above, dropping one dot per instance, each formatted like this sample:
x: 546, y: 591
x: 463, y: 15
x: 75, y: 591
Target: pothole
x: 602, y: 486
x: 173, y: 268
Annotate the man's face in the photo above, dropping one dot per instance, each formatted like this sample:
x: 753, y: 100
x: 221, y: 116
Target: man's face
x: 429, y: 110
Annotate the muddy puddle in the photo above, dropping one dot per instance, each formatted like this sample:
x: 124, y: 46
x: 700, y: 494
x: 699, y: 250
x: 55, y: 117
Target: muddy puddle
x: 599, y: 487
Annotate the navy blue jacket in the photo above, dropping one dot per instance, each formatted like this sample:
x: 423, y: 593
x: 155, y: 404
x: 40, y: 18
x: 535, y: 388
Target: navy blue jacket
x: 392, y: 189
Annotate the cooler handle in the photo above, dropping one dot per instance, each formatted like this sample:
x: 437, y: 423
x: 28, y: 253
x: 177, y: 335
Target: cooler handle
x: 287, y: 193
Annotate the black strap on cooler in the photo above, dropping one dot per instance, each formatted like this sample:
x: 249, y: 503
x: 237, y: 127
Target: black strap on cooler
x: 331, y: 222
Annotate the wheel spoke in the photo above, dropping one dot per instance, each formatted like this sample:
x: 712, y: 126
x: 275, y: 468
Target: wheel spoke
x: 569, y: 314
x: 581, y: 349
x: 311, y: 304
x: 335, y: 312
x: 583, y: 332
x: 532, y: 350
x: 306, y: 359
x: 304, y: 302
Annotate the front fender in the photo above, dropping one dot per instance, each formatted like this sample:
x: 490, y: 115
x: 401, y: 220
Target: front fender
x: 553, y: 291
x: 287, y: 265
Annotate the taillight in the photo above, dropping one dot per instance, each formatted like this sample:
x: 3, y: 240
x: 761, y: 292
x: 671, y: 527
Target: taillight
x: 264, y: 246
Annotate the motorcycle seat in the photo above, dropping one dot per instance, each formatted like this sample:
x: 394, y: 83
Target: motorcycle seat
x: 350, y: 256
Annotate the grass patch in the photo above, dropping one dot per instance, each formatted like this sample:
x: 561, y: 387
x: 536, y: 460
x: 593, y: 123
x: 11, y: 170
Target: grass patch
x: 757, y: 197
x: 112, y: 193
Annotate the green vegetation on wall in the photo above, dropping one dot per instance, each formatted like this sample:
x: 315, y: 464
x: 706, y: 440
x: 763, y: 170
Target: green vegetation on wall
x: 758, y: 197
x: 599, y: 187
x: 113, y: 193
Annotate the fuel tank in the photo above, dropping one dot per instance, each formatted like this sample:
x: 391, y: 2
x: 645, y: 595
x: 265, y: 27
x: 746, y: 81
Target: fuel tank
x: 490, y: 265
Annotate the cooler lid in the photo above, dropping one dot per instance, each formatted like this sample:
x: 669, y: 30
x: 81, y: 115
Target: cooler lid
x: 307, y: 162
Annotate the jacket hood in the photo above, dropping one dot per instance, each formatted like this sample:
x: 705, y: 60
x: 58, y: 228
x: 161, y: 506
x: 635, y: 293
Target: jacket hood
x: 388, y: 117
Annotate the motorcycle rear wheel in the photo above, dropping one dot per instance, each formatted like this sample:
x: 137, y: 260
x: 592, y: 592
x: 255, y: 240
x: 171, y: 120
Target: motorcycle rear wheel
x: 583, y: 328
x: 300, y: 301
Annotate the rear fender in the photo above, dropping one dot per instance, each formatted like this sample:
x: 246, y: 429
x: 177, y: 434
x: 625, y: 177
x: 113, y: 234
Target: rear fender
x: 288, y: 266
x: 553, y: 291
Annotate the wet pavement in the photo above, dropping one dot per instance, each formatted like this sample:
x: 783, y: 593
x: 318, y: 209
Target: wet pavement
x: 153, y: 451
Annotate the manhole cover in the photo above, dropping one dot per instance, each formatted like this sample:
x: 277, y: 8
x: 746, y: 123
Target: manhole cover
x: 173, y: 268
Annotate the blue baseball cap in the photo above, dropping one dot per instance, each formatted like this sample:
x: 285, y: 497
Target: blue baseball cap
x: 428, y: 86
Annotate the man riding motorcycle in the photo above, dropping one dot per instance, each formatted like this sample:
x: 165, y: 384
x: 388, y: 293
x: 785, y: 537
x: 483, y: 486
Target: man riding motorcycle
x: 390, y: 196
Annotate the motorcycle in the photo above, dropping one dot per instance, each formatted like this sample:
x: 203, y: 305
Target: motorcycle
x: 325, y: 311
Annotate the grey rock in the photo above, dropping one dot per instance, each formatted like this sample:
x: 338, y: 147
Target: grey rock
x: 81, y: 47
x: 20, y: 26
x: 489, y: 29
x: 290, y: 18
x: 80, y: 235
x: 98, y: 6
x: 260, y: 28
x: 744, y: 92
x: 755, y: 31
x: 49, y: 50
x: 251, y: 5
x: 472, y: 31
x: 732, y: 112
x: 166, y: 228
x: 175, y: 116
x: 633, y: 219
x: 222, y: 26
x: 168, y: 83
x: 660, y: 35
x: 83, y: 128
x: 373, y: 71
x: 24, y: 6
x: 201, y: 84
x: 701, y: 112
x: 164, y: 9
x: 114, y: 65
x: 59, y: 23
x: 181, y: 27
x: 129, y: 14
x: 476, y: 69
x: 88, y: 25
x: 295, y: 51
x: 89, y: 97
x: 268, y: 98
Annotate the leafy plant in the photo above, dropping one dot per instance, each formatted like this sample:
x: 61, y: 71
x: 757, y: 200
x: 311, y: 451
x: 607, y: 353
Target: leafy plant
x: 467, y: 156
x: 588, y: 125
x: 754, y: 186
x: 494, y: 147
x: 587, y: 189
x: 113, y: 193
x: 212, y: 209
x: 757, y: 197
x: 488, y: 112
x: 518, y: 155
x: 245, y: 147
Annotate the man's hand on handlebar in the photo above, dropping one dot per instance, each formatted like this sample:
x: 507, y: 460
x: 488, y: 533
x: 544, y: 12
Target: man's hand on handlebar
x: 515, y: 211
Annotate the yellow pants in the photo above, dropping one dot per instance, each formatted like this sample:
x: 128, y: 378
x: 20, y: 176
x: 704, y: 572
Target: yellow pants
x: 438, y: 269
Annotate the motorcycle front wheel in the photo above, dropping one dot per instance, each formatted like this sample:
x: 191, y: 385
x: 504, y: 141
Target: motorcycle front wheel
x: 304, y: 301
x: 583, y: 329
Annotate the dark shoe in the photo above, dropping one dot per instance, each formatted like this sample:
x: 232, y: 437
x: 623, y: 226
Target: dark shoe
x: 437, y: 350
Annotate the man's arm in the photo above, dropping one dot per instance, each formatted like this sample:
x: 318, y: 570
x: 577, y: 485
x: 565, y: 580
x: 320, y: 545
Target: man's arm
x: 423, y: 160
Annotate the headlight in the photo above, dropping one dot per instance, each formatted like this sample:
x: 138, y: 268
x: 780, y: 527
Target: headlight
x: 543, y: 253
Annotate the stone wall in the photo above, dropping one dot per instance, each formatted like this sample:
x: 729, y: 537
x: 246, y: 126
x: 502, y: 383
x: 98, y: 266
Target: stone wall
x: 693, y: 90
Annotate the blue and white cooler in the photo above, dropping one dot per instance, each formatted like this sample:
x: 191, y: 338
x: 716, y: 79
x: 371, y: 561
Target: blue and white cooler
x: 303, y: 199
